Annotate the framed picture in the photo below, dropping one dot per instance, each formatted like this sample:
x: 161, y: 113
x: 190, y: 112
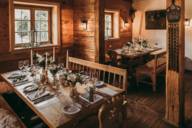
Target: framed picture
x: 155, y: 19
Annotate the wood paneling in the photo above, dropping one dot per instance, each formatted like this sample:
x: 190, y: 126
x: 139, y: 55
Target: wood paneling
x: 4, y: 26
x: 66, y: 25
x: 125, y: 34
x: 85, y: 40
x: 174, y: 80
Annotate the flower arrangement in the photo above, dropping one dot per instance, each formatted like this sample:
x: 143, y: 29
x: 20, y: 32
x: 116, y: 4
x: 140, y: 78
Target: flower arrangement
x: 40, y: 60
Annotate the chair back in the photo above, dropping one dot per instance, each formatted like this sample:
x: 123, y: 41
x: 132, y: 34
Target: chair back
x: 111, y: 75
x: 113, y: 113
x: 159, y: 61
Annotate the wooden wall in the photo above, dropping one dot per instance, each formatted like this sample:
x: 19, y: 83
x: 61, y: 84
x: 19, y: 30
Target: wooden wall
x: 85, y: 43
x: 125, y: 35
x: 85, y: 40
x: 9, y: 60
x: 4, y: 29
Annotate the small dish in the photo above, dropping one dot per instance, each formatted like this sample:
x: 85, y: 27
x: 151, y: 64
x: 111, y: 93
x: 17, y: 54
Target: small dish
x: 99, y: 84
x: 72, y: 109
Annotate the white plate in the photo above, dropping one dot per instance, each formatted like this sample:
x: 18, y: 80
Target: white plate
x: 72, y: 109
x: 99, y: 84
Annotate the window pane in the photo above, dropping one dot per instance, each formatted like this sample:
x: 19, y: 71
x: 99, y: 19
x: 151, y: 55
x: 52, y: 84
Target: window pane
x: 44, y: 36
x: 25, y: 37
x: 22, y: 26
x: 18, y: 26
x: 25, y: 14
x: 108, y: 25
x: 41, y: 15
x: 22, y: 37
x: 37, y: 25
x: 17, y: 14
x: 38, y: 36
x: 17, y: 38
x: 44, y: 26
x: 25, y: 26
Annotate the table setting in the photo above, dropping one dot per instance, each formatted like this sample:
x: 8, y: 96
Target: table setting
x: 136, y: 48
x: 45, y: 80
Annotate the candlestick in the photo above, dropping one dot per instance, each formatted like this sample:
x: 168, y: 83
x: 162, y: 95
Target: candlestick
x: 46, y: 54
x: 53, y: 53
x: 67, y: 56
x: 31, y: 57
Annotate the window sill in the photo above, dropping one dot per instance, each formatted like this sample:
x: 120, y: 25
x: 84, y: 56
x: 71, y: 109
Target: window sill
x: 42, y: 47
x: 113, y: 38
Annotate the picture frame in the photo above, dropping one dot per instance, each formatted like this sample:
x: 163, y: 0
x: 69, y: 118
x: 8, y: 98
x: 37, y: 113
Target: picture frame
x: 155, y: 19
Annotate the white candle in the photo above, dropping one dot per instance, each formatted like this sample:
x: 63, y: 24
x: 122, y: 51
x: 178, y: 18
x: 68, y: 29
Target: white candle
x: 31, y: 57
x: 46, y: 60
x: 53, y: 53
x: 67, y: 55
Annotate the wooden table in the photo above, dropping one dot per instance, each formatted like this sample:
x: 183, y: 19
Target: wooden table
x: 135, y: 53
x: 132, y: 59
x: 51, y: 111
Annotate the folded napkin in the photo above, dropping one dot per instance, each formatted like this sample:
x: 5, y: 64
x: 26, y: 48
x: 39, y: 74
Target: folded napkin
x: 107, y: 91
x: 96, y: 98
x: 16, y: 75
x: 37, y: 97
x: 20, y: 82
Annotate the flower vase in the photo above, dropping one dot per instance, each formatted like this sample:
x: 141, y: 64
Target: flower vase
x: 73, y: 93
x: 44, y: 76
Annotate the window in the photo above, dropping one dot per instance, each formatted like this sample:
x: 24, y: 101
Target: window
x: 32, y: 24
x: 108, y: 25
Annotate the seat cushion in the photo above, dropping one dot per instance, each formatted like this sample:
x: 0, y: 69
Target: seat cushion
x: 8, y: 119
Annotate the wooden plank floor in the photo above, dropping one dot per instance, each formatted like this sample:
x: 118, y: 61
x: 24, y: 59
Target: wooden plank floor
x: 147, y: 109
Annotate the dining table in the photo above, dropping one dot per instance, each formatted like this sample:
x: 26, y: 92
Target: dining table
x: 51, y: 108
x: 132, y: 57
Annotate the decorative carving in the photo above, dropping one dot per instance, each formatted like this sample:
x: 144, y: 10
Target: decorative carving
x: 173, y: 12
x: 173, y: 16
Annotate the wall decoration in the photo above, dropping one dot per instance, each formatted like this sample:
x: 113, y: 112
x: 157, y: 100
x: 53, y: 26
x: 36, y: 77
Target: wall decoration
x: 155, y: 19
x: 173, y: 16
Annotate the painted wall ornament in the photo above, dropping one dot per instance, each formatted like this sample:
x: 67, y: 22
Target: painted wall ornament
x: 173, y: 16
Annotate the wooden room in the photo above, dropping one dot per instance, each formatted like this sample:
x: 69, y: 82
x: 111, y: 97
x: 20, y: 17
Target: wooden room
x: 95, y: 64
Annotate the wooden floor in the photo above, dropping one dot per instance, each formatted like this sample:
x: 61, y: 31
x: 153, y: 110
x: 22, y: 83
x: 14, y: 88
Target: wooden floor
x: 147, y: 109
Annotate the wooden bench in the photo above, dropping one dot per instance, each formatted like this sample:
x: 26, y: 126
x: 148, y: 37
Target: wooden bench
x: 8, y: 117
x: 111, y: 75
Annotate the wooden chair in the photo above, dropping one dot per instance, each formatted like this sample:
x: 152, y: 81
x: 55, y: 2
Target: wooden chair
x: 152, y: 68
x: 112, y: 75
x: 112, y: 114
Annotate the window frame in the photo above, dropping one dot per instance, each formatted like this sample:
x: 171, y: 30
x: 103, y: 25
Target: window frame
x: 32, y: 12
x: 112, y: 24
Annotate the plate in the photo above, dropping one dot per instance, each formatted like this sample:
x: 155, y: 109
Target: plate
x: 72, y: 109
x: 30, y: 88
x: 99, y: 84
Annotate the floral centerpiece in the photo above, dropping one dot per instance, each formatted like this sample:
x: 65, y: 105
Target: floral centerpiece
x: 43, y: 60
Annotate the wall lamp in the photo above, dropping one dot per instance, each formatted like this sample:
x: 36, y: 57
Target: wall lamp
x: 125, y: 22
x: 84, y: 24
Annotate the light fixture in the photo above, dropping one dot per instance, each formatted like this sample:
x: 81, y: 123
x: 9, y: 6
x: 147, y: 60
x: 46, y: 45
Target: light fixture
x: 84, y: 23
x: 187, y: 22
x: 126, y: 22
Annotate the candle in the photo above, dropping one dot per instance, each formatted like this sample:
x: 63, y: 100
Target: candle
x: 67, y: 55
x: 53, y: 53
x: 31, y: 57
x: 46, y: 54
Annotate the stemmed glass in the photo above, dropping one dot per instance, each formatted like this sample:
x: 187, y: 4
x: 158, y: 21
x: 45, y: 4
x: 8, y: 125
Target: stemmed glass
x: 53, y: 70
